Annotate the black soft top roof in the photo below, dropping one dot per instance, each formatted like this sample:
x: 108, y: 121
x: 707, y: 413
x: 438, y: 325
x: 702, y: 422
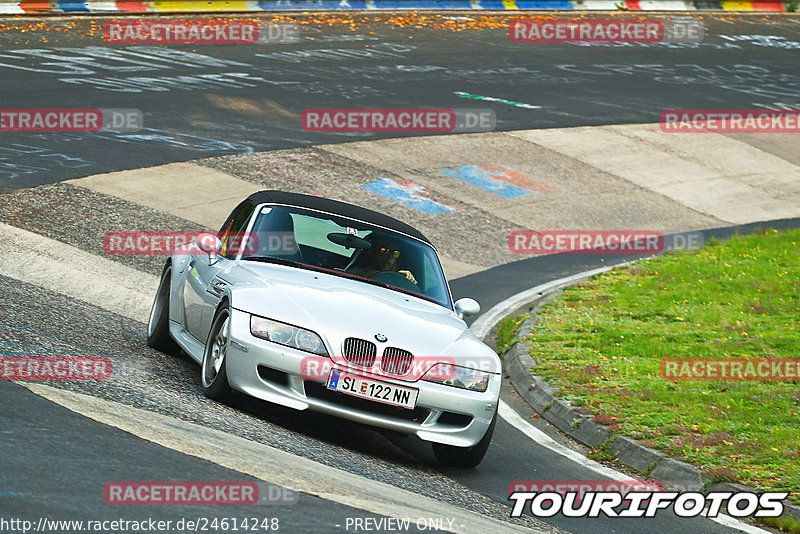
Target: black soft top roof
x: 336, y: 207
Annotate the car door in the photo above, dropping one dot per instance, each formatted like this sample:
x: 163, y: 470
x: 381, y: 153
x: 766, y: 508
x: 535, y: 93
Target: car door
x: 206, y: 280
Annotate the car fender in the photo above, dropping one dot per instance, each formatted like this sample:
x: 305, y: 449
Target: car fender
x: 468, y: 351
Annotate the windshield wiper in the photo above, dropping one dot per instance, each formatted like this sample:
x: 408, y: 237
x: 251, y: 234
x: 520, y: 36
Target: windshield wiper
x: 373, y: 282
x: 279, y: 261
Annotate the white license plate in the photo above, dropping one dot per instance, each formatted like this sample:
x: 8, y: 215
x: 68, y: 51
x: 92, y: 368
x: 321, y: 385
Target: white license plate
x: 372, y: 389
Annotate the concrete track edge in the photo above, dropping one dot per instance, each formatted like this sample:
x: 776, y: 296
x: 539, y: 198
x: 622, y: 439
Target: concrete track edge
x: 540, y: 395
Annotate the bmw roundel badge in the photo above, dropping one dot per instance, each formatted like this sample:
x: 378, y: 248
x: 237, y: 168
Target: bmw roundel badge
x: 381, y: 338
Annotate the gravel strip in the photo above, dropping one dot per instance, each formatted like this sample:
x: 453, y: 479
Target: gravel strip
x: 80, y: 217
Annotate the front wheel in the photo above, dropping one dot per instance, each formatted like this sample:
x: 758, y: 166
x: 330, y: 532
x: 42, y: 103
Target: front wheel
x: 158, y: 325
x: 213, y: 376
x: 467, y: 457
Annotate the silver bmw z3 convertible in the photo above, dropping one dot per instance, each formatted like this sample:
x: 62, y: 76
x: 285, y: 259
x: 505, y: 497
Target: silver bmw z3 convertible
x: 317, y: 304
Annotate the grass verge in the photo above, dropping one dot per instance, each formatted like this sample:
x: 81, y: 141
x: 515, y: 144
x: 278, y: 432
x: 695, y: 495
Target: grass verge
x: 507, y: 330
x: 601, y: 344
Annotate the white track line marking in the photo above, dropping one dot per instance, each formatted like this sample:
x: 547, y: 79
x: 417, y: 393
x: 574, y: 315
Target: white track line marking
x: 109, y: 285
x: 271, y: 464
x: 481, y: 328
x: 73, y: 272
x: 517, y: 421
x: 114, y: 287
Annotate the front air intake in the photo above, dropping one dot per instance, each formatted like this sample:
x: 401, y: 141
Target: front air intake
x: 396, y: 361
x: 359, y: 351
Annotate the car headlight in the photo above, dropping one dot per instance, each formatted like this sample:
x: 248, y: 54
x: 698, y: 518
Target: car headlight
x: 286, y: 334
x: 459, y: 377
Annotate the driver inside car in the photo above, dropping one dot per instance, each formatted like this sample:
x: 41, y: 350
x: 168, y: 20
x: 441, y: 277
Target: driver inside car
x: 381, y: 257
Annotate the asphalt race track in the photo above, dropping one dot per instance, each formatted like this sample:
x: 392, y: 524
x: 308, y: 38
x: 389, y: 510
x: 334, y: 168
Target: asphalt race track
x: 220, y: 100
x: 742, y: 63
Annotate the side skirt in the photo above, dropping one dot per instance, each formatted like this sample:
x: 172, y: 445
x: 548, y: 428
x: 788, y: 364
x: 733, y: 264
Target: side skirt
x: 189, y: 344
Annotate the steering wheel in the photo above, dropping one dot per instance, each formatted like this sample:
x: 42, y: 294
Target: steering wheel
x: 396, y: 279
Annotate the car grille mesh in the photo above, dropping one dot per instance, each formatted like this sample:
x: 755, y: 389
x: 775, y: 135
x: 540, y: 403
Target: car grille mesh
x: 359, y: 351
x: 396, y: 361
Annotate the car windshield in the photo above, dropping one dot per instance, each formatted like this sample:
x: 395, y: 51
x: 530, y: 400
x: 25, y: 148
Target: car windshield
x: 348, y: 248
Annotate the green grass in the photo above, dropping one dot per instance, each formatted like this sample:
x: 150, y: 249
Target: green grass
x: 601, y: 344
x: 507, y: 330
x: 786, y: 524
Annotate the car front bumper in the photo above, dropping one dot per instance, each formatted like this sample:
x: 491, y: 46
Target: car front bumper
x: 274, y: 373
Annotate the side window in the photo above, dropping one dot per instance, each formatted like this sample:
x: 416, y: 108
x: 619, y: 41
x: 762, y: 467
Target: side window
x: 231, y: 232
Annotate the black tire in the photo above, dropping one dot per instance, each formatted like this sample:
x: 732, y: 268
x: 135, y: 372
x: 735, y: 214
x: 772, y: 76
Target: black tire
x: 466, y: 457
x: 213, y: 374
x: 158, y: 325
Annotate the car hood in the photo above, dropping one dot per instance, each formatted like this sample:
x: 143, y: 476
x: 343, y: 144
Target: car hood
x: 336, y: 308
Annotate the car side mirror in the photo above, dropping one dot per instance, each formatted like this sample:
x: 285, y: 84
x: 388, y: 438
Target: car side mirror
x: 211, y: 245
x: 467, y: 307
